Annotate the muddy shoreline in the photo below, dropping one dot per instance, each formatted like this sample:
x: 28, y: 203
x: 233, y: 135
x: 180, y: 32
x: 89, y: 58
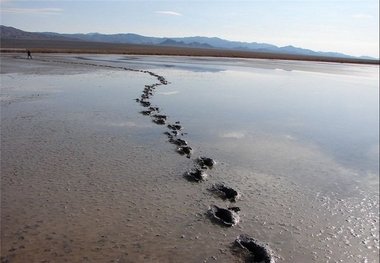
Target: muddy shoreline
x: 91, y: 174
x: 54, y: 199
x: 257, y: 251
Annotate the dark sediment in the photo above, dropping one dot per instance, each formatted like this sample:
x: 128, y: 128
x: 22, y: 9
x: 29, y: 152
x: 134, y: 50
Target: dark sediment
x: 159, y: 121
x: 185, y: 150
x: 154, y: 109
x: 145, y: 103
x: 179, y: 142
x: 205, y: 162
x: 260, y: 252
x: 160, y: 116
x: 146, y: 112
x: 226, y: 217
x: 175, y: 127
x: 225, y: 192
x: 196, y: 175
x: 170, y: 136
x: 234, y: 208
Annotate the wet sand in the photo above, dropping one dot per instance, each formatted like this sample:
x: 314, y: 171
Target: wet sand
x: 87, y: 178
x: 75, y: 191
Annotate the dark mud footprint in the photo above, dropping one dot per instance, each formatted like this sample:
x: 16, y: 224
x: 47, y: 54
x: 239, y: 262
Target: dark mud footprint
x: 157, y: 109
x: 225, y: 192
x: 144, y: 103
x: 178, y: 142
x: 260, y: 252
x: 160, y: 116
x: 205, y: 162
x: 146, y: 112
x: 159, y: 121
x: 175, y: 127
x: 6, y: 259
x: 169, y: 135
x: 234, y: 208
x: 196, y: 175
x: 226, y: 217
x: 185, y: 150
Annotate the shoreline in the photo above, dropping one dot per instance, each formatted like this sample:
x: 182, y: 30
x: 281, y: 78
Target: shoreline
x: 89, y: 177
x: 78, y: 47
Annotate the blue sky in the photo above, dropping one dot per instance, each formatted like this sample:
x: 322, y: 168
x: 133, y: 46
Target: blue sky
x: 348, y: 26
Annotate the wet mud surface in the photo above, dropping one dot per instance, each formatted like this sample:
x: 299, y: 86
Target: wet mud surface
x: 89, y: 178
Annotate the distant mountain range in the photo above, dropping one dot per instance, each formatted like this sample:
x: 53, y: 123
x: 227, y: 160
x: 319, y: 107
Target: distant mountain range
x: 193, y: 42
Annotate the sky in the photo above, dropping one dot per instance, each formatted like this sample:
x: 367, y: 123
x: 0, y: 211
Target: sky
x: 346, y: 26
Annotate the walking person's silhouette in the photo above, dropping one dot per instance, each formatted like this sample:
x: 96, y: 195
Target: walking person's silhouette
x: 29, y: 54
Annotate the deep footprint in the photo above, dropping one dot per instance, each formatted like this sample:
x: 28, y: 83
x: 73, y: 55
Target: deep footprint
x: 205, y: 162
x: 196, y: 175
x: 159, y: 121
x: 226, y: 217
x: 175, y: 127
x: 185, y: 150
x: 260, y: 251
x: 144, y: 103
x: 178, y: 142
x: 225, y: 192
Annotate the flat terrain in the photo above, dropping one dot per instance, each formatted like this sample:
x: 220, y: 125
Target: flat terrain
x: 53, y: 46
x: 86, y: 177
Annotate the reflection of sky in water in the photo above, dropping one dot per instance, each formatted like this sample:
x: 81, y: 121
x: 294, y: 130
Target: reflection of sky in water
x: 328, y: 107
x: 338, y: 113
x: 313, y: 125
x: 295, y: 138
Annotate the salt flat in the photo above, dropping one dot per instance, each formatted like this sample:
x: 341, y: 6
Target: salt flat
x: 87, y: 178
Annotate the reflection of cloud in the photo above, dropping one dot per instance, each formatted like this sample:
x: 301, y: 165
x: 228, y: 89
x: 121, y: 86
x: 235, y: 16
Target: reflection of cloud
x: 170, y: 13
x: 234, y: 135
x: 361, y: 16
x: 290, y: 137
x: 39, y: 11
x: 169, y: 92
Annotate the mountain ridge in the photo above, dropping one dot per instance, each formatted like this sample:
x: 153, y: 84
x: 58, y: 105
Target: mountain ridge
x: 7, y: 32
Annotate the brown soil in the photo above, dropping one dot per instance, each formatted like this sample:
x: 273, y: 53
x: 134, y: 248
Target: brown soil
x: 53, y: 46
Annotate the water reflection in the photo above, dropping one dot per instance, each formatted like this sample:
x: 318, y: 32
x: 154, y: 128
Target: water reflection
x: 158, y: 62
x: 306, y: 136
x: 337, y: 114
x: 298, y: 140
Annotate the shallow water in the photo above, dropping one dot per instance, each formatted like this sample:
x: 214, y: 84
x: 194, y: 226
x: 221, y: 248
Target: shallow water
x: 85, y: 177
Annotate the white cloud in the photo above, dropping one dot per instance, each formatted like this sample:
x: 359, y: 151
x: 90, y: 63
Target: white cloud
x: 38, y: 11
x: 170, y: 13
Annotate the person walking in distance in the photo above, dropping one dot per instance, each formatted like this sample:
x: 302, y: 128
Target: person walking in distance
x: 29, y: 54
